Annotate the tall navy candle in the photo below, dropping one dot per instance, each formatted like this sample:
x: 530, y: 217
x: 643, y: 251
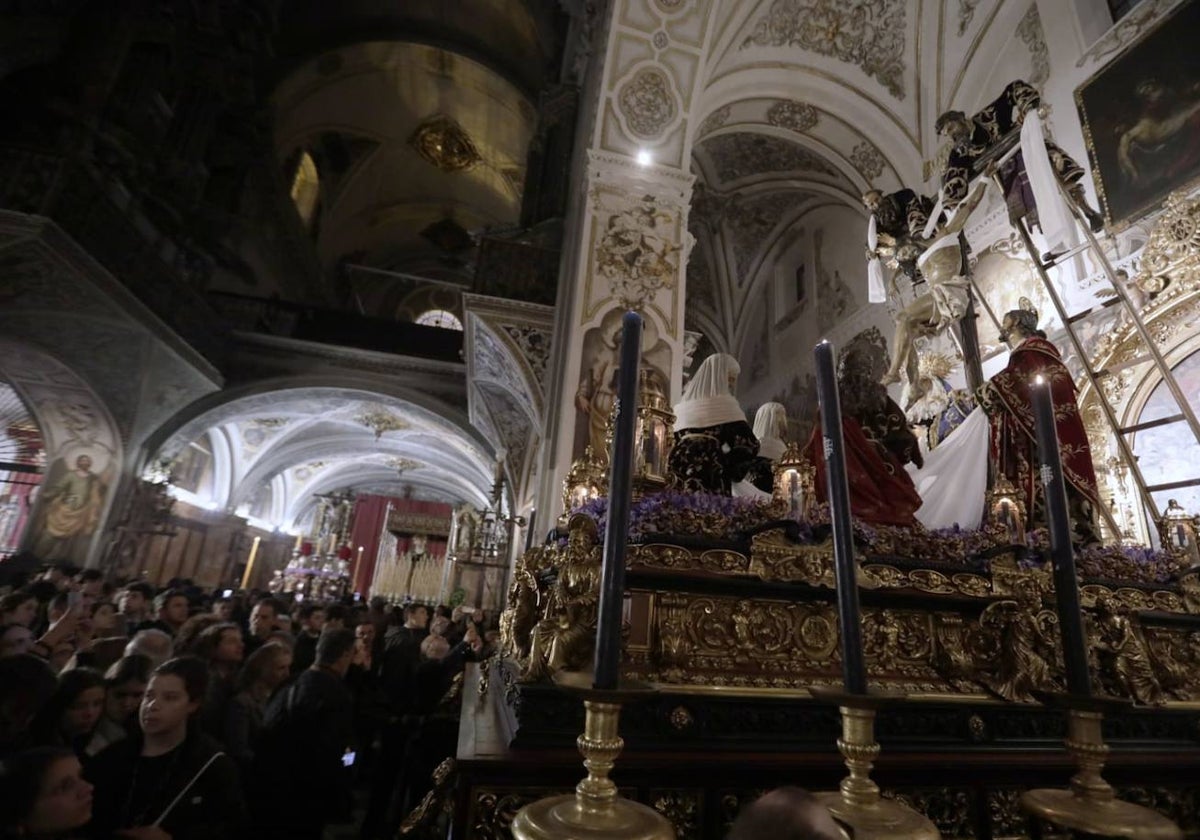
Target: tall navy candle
x: 620, y: 495
x: 854, y: 672
x: 1062, y: 555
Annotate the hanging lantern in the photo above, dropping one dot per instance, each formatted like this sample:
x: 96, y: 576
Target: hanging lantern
x: 1178, y: 530
x: 653, y: 434
x: 582, y: 483
x: 795, y: 483
x: 1007, y: 510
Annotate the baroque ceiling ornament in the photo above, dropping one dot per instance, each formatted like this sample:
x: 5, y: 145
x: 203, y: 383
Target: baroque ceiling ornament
x: 794, y: 116
x: 715, y: 120
x: 1034, y: 37
x: 744, y: 153
x: 966, y: 12
x: 1140, y: 18
x: 867, y: 33
x: 750, y: 221
x: 637, y: 252
x: 441, y: 141
x: 868, y: 160
x: 534, y: 344
x: 647, y: 103
x: 379, y: 420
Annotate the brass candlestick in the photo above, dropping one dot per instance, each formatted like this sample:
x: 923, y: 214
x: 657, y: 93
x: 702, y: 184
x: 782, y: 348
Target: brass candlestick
x: 858, y: 804
x: 594, y: 811
x: 1090, y: 805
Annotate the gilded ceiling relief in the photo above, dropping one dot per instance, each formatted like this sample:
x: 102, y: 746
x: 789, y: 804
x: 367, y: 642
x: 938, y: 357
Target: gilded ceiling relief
x: 794, y: 116
x: 647, y: 103
x: 743, y: 154
x: 444, y: 143
x: 868, y: 33
x: 534, y: 344
x: 379, y: 420
x: 1034, y: 37
x: 638, y: 250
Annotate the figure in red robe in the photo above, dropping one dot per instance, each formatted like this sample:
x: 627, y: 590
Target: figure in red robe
x: 878, y: 445
x: 1006, y: 398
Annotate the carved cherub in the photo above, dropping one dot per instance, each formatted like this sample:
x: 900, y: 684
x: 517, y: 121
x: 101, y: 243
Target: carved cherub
x: 1025, y: 649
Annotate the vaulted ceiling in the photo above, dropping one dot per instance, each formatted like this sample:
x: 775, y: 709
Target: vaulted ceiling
x: 801, y: 104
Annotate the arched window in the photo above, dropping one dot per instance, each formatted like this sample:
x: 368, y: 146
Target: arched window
x: 440, y: 318
x: 306, y: 188
x: 1158, y: 449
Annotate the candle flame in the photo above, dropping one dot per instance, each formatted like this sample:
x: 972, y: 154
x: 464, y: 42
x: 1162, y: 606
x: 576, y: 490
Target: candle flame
x: 1038, y: 380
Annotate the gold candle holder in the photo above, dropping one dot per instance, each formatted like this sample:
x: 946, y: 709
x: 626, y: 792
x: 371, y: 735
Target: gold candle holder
x: 858, y: 804
x: 1090, y: 805
x: 594, y: 810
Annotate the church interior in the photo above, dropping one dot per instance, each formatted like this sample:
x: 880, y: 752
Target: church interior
x: 327, y: 302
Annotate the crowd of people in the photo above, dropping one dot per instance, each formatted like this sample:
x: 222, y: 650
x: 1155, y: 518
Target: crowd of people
x: 185, y: 713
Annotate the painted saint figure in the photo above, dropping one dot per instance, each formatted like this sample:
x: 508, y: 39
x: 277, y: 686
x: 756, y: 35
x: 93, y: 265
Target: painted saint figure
x: 70, y: 512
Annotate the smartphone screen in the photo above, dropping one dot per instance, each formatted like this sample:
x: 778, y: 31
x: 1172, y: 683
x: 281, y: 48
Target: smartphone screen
x: 228, y: 592
x: 348, y: 758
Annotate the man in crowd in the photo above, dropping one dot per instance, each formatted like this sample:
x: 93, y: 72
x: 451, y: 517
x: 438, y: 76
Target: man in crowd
x: 262, y: 624
x: 171, y: 611
x: 132, y: 603
x: 303, y: 759
x: 312, y: 622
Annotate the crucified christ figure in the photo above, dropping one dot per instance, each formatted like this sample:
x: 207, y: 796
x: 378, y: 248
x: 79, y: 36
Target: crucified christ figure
x: 944, y: 302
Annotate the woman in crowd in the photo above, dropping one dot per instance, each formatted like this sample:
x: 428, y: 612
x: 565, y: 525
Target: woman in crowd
x: 126, y: 681
x: 220, y: 647
x: 265, y: 671
x: 189, y: 633
x: 714, y: 445
x: 20, y: 607
x: 43, y: 795
x: 15, y: 639
x: 168, y: 781
x: 69, y: 719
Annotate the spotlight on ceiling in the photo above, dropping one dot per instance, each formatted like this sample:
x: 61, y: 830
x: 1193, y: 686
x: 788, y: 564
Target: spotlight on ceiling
x: 644, y: 158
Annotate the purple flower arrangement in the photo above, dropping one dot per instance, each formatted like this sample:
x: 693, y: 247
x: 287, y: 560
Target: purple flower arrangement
x: 695, y: 514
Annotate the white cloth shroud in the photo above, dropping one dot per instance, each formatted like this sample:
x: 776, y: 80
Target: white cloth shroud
x: 953, y: 482
x: 876, y: 293
x: 1054, y: 216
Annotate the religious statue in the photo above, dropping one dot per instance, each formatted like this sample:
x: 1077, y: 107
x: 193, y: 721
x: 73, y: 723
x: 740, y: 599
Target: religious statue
x: 895, y: 229
x: 1025, y: 644
x: 1006, y: 399
x: 1122, y: 654
x: 878, y: 445
x: 945, y: 300
x: 770, y: 427
x: 518, y: 619
x: 597, y: 391
x: 714, y: 445
x: 565, y: 636
x: 71, y: 507
x: 938, y: 408
x: 973, y: 139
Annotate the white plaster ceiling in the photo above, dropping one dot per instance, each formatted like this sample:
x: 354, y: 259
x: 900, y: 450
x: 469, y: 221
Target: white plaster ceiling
x: 304, y: 441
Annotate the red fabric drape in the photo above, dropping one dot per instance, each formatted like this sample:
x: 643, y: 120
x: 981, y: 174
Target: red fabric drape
x: 881, y: 492
x: 370, y: 513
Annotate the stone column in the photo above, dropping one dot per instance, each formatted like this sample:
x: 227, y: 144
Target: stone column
x: 627, y: 243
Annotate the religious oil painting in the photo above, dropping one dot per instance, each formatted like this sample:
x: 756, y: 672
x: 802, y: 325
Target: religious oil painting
x: 1141, y: 118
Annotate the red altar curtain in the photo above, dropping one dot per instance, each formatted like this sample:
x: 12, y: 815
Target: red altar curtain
x: 370, y: 514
